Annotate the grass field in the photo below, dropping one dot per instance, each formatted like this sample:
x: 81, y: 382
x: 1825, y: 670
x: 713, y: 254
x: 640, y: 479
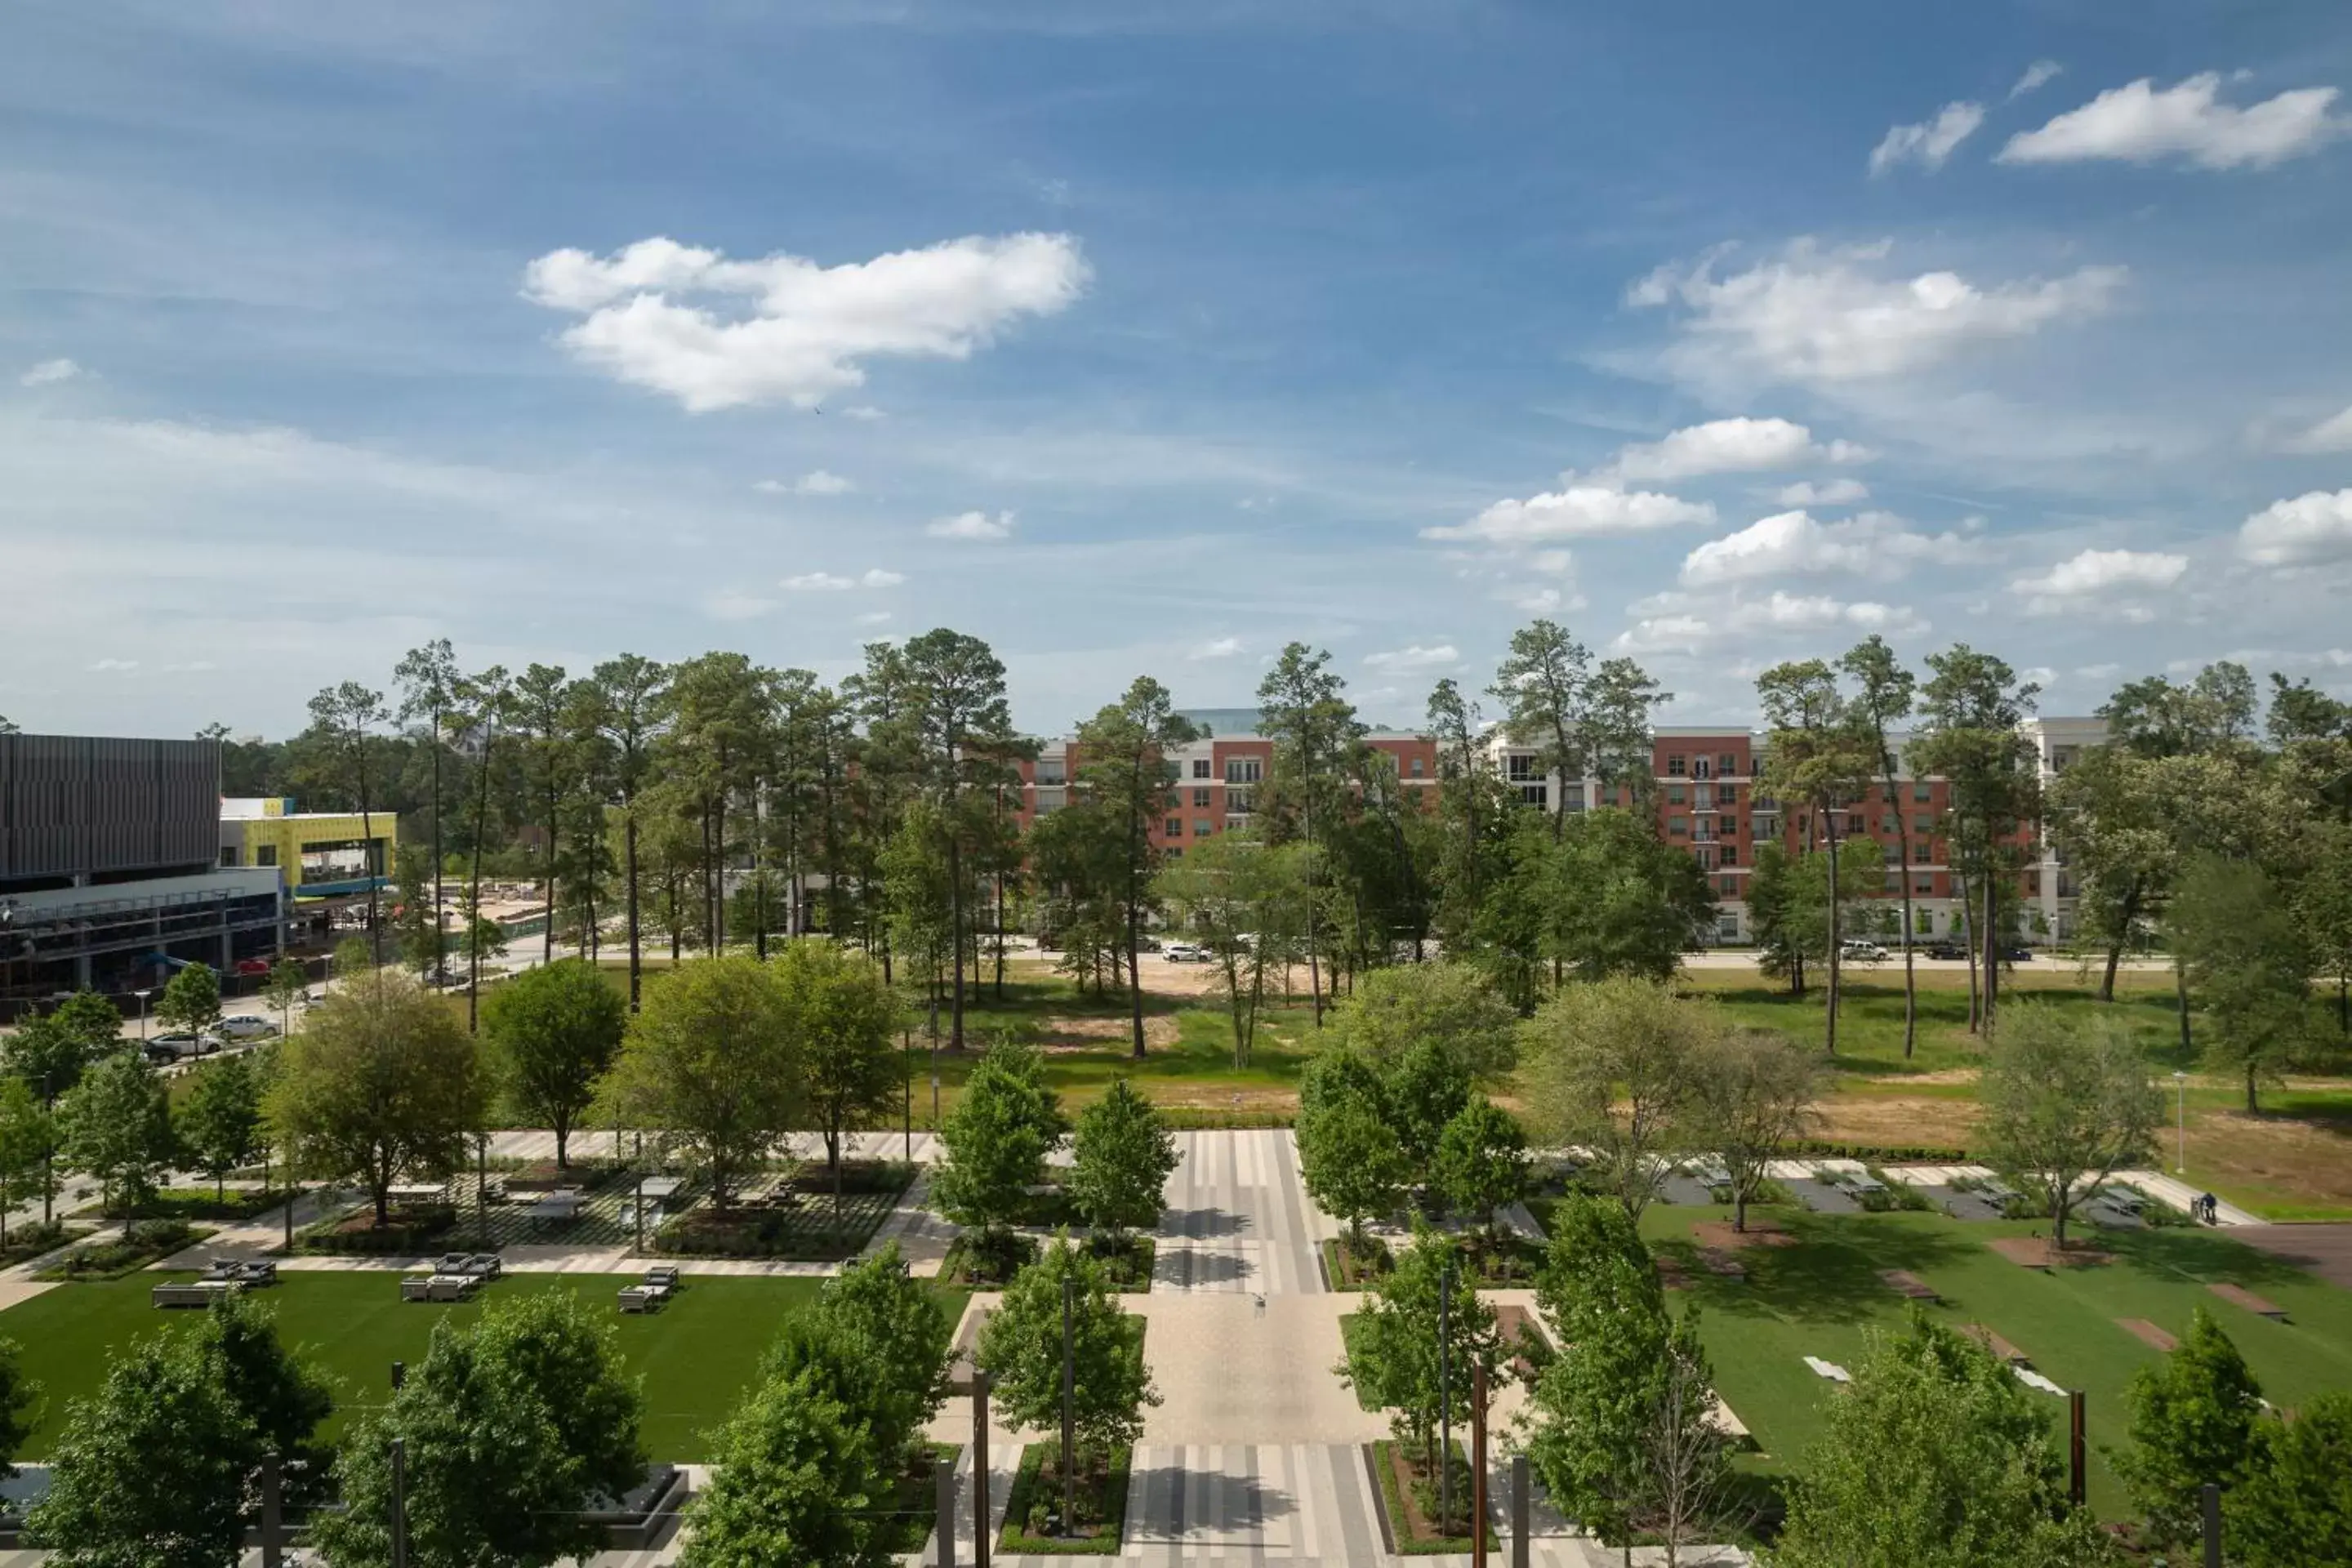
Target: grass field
x: 1820, y: 1298
x: 696, y: 1356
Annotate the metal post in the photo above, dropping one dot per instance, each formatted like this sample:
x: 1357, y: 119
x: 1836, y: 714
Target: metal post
x: 2076, y: 1483
x: 943, y: 1485
x: 1445, y: 1400
x: 399, y: 1374
x: 641, y: 1193
x: 272, y: 1537
x: 1069, y: 1411
x: 2212, y: 1499
x: 980, y: 1467
x: 399, y: 1502
x: 1477, y: 1464
x: 482, y: 1186
x: 2180, y: 1156
x: 1522, y: 1511
x: 907, y: 1061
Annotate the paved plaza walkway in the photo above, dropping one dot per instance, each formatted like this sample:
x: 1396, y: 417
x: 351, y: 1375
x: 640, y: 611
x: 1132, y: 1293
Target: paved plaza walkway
x: 1238, y: 1218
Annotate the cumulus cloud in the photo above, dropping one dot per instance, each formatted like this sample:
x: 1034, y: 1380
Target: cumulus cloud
x: 815, y: 482
x: 1830, y: 316
x: 730, y: 605
x: 2142, y: 123
x: 49, y: 372
x: 863, y: 411
x: 115, y: 666
x: 818, y: 583
x: 1929, y: 143
x: 976, y: 526
x: 878, y: 577
x: 2307, y: 530
x: 1794, y: 543
x: 1680, y: 623
x: 2102, y: 582
x: 1727, y: 447
x: 2330, y: 435
x: 1436, y: 655
x: 1577, y: 511
x: 719, y: 334
x: 1219, y: 648
x: 1837, y: 493
x: 2036, y: 75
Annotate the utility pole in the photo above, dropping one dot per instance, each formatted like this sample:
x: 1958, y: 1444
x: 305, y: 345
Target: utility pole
x: 1444, y: 1399
x: 1069, y: 1411
x: 271, y: 1538
x: 2076, y: 1483
x: 943, y: 1489
x: 1477, y: 1464
x: 979, y: 1381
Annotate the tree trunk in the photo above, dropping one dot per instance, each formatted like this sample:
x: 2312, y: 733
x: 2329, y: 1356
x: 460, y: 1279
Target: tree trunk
x: 1740, y: 1206
x: 1969, y: 944
x: 629, y: 853
x: 563, y: 1142
x: 1836, y: 890
x: 2253, y: 1099
x: 440, y: 944
x: 367, y: 850
x: 2180, y: 990
x: 1910, y: 931
x: 955, y: 929
x: 474, y: 888
x: 1991, y: 945
x: 547, y: 937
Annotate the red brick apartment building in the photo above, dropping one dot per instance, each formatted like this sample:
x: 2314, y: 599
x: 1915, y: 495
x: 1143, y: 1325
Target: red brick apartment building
x: 1706, y: 800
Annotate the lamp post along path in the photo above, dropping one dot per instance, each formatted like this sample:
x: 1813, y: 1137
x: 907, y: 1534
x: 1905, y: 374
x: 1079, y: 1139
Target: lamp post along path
x: 1069, y: 1412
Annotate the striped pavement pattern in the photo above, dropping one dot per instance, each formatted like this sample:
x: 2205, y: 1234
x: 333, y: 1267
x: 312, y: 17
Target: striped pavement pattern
x: 1238, y: 1220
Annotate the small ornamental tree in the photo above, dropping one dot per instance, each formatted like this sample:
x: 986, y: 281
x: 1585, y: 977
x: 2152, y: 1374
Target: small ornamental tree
x: 287, y: 985
x: 1612, y: 1065
x: 1751, y: 1093
x: 845, y: 1017
x: 513, y: 1423
x: 1482, y: 1162
x: 1348, y: 1156
x: 28, y: 1139
x: 191, y: 1000
x: 93, y: 1020
x: 877, y: 1344
x: 2065, y: 1105
x: 116, y: 1129
x: 2194, y: 1420
x: 1392, y: 1009
x: 1021, y: 1346
x: 1392, y: 1356
x: 793, y: 1476
x: 1428, y: 1086
x: 2295, y: 1507
x: 996, y: 1140
x: 284, y: 1400
x: 152, y: 1469
x: 1935, y: 1456
x: 220, y: 1124
x: 1123, y: 1156
x: 554, y: 1032
x: 20, y: 1399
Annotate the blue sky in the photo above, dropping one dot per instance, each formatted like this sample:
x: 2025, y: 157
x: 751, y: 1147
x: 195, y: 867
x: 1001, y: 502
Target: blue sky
x: 1144, y: 337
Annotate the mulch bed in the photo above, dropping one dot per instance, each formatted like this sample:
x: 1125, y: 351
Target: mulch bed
x: 1762, y: 1231
x: 1903, y: 1282
x: 1416, y: 1532
x: 2148, y: 1334
x: 2239, y: 1296
x: 2038, y: 1252
x: 1518, y: 1327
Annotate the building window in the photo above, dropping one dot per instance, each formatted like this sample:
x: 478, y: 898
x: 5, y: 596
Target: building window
x: 1698, y: 768
x: 1234, y: 824
x: 1923, y: 886
x: 1201, y: 767
x: 1677, y: 764
x: 1727, y: 926
x: 1727, y: 764
x: 1674, y: 795
x: 1921, y: 790
x: 1417, y: 766
x: 1922, y: 853
x: 1534, y: 795
x: 1726, y: 795
x: 1730, y: 855
x: 228, y: 854
x: 1051, y: 800
x: 1240, y: 801
x: 267, y: 855
x: 1175, y: 828
x: 1053, y: 771
x: 1923, y: 824
x: 1853, y: 823
x: 1174, y: 802
x: 1241, y: 770
x: 1572, y: 797
x: 1202, y: 828
x: 1174, y: 852
x: 1706, y: 854
x: 1679, y: 826
x: 1200, y: 800
x: 1518, y: 767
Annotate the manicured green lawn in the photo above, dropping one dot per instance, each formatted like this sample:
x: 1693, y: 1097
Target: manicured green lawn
x: 696, y: 1355
x: 1820, y: 1298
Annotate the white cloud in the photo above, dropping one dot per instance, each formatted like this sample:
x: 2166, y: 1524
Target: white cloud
x: 1793, y: 543
x: 1837, y: 493
x: 2330, y: 435
x: 730, y: 605
x: 1815, y: 315
x: 794, y: 331
x: 2311, y: 529
x: 1727, y: 447
x: 815, y: 482
x: 1929, y: 143
x: 2036, y: 75
x: 1578, y: 511
x: 863, y: 411
x: 49, y: 372
x: 881, y: 577
x: 976, y: 526
x: 2102, y: 582
x: 1533, y: 601
x: 818, y: 583
x: 2141, y: 123
x: 113, y: 665
x: 1220, y: 647
x: 2040, y: 675
x: 1680, y: 623
x: 1437, y: 656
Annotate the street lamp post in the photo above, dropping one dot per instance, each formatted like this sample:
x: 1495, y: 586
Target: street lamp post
x: 2180, y: 1160
x: 142, y: 996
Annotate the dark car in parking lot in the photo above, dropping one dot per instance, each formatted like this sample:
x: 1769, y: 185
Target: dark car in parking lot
x: 1951, y: 950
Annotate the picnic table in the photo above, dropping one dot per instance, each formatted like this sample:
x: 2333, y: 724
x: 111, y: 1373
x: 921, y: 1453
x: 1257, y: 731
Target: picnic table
x: 662, y: 1187
x: 1908, y: 1284
x: 564, y: 1203
x: 241, y: 1270
x: 482, y: 1265
x: 661, y: 1282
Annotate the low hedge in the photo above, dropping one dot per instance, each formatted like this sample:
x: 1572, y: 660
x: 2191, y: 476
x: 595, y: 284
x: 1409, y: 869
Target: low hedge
x: 410, y: 1230
x: 148, y: 1241
x: 1919, y: 1153
x: 1031, y: 1492
x: 1407, y: 1544
x: 27, y: 1242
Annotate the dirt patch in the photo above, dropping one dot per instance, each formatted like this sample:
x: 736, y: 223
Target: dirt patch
x: 2148, y: 1334
x: 2306, y: 1160
x: 1762, y: 1231
x: 2002, y: 1351
x: 1064, y: 1033
x: 1897, y: 1121
x: 2040, y: 1252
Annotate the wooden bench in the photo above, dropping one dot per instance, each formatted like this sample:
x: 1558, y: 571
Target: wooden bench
x: 2239, y: 1296
x: 1903, y: 1282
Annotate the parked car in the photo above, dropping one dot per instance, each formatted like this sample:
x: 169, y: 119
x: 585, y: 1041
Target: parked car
x: 1869, y: 951
x: 1186, y: 953
x: 244, y: 1028
x: 2016, y: 952
x: 178, y: 1046
x: 1951, y: 950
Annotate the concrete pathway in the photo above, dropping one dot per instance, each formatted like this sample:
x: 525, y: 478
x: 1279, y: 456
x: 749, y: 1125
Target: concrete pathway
x: 1238, y: 1220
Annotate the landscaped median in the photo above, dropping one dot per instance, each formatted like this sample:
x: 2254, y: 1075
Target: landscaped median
x: 1409, y: 1500
x: 1033, y: 1521
x: 118, y: 1254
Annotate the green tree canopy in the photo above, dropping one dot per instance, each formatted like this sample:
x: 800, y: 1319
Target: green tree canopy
x: 713, y: 1063
x: 1393, y: 1009
x: 1482, y: 1160
x: 381, y: 1082
x: 1612, y: 1066
x: 220, y: 1125
x: 793, y: 1474
x: 1935, y: 1456
x: 20, y: 1400
x: 282, y: 1399
x: 515, y: 1423
x: 94, y: 1021
x: 554, y: 1032
x: 1752, y: 1091
x: 1122, y: 1157
x: 1350, y: 1159
x: 1392, y: 1355
x: 996, y: 1140
x: 28, y: 1142
x: 1021, y: 1346
x: 2067, y: 1103
x: 2194, y: 1420
x: 844, y: 1015
x: 876, y: 1342
x: 2296, y: 1507
x: 115, y: 1127
x: 2247, y: 957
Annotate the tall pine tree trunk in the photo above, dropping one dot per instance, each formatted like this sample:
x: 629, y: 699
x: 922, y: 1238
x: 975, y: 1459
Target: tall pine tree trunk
x: 1837, y: 891
x: 629, y: 853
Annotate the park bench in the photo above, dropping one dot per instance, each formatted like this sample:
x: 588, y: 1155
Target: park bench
x: 1903, y: 1282
x: 438, y: 1287
x: 241, y: 1271
x: 193, y: 1292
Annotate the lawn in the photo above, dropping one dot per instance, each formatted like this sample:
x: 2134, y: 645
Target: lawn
x: 696, y: 1355
x: 1820, y: 1297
